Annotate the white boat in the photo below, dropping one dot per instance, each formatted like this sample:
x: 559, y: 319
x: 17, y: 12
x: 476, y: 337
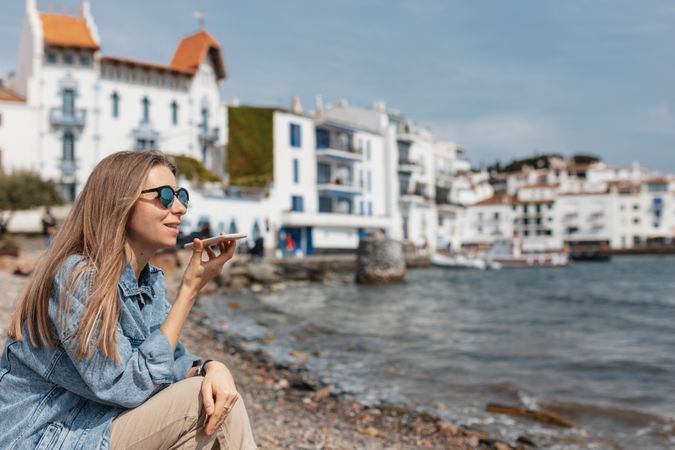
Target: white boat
x: 510, y: 254
x: 458, y: 261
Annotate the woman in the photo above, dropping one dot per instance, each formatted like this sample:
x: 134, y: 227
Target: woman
x: 93, y: 358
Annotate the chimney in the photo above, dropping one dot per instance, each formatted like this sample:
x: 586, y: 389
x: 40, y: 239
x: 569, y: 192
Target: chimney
x: 296, y: 106
x: 342, y: 103
x: 379, y: 106
x: 318, y: 101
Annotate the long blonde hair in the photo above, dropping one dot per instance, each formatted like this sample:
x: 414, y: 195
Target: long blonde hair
x: 96, y: 230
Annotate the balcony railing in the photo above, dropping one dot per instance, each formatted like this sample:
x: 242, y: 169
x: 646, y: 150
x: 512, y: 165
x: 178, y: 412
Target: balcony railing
x: 207, y: 135
x: 68, y: 167
x: 341, y: 153
x: 59, y: 117
x: 406, y: 165
x: 145, y: 132
x: 338, y: 185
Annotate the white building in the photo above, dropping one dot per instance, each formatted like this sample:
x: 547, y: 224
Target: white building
x: 327, y: 186
x: 76, y: 105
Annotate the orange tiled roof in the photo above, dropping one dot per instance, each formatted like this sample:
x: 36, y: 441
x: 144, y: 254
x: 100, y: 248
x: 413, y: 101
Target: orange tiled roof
x: 499, y: 198
x: 67, y: 31
x: 9, y: 96
x: 116, y: 60
x: 192, y: 50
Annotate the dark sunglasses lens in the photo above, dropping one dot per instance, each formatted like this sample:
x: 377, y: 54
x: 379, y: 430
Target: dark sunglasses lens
x: 183, y: 196
x: 166, y: 197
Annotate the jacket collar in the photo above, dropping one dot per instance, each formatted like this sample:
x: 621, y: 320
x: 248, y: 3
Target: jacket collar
x: 131, y: 286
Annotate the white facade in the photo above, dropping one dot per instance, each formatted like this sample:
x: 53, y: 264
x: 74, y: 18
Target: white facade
x: 81, y: 106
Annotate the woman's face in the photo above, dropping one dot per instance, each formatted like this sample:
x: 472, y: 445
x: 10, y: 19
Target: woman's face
x: 152, y: 226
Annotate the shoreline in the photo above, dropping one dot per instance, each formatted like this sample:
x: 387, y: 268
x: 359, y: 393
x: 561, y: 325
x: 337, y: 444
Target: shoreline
x: 287, y: 405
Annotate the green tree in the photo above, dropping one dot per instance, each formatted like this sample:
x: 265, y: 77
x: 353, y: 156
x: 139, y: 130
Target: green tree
x: 584, y: 159
x: 24, y: 190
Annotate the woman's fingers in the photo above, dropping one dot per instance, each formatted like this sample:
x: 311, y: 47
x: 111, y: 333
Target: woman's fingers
x: 207, y: 398
x: 210, y: 252
x: 224, y: 404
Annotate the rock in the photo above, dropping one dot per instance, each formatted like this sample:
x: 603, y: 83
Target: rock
x: 368, y: 431
x: 209, y: 288
x: 282, y: 384
x: 446, y: 428
x: 300, y: 355
x: 256, y: 287
x: 237, y: 282
x: 264, y: 273
x: 524, y: 443
x: 277, y: 287
x: 547, y: 417
x: 440, y: 406
x: 379, y: 260
x: 322, y: 393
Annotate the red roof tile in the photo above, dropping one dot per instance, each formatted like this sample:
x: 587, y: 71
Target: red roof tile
x: 67, y: 31
x: 10, y: 96
x: 192, y: 50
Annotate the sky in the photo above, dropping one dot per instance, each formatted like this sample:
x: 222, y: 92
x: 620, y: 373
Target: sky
x: 504, y: 79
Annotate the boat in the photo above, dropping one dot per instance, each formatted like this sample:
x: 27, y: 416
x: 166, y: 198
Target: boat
x: 462, y: 261
x: 509, y: 253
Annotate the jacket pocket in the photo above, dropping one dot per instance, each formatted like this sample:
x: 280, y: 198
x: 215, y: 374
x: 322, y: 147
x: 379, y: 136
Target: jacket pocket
x: 50, y: 437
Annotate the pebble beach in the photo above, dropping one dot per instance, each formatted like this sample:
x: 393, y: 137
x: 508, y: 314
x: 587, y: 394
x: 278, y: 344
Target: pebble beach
x: 287, y: 406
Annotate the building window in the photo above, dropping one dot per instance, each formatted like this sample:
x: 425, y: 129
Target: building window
x: 174, y: 112
x: 68, y: 59
x: 297, y: 203
x: 115, y: 97
x: 68, y: 102
x: 205, y: 119
x: 296, y: 171
x: 146, y: 144
x: 362, y: 208
x: 146, y: 109
x: 370, y: 208
x: 370, y: 181
x: 323, y: 173
x: 68, y: 146
x: 85, y: 60
x: 325, y: 204
x: 322, y: 138
x: 52, y: 57
x: 368, y: 150
x: 295, y: 135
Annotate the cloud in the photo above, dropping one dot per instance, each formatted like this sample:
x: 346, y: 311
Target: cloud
x: 501, y: 136
x: 658, y: 119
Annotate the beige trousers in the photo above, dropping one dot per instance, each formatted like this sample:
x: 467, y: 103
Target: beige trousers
x: 174, y: 418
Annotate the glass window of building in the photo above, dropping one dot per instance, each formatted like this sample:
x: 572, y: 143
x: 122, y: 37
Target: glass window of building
x: 294, y: 130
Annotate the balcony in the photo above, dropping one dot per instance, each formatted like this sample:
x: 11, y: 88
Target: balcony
x: 334, y: 153
x: 337, y: 186
x: 208, y: 136
x: 68, y: 167
x: 59, y: 117
x: 409, y: 166
x: 145, y: 132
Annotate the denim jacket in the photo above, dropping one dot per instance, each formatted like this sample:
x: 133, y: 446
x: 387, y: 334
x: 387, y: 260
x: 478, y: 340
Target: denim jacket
x: 50, y: 399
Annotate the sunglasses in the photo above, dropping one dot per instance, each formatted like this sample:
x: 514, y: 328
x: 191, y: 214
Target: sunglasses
x: 166, y: 194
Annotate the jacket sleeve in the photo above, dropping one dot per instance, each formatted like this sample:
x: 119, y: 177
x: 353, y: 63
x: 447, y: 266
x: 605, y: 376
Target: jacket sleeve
x: 140, y: 372
x: 183, y: 359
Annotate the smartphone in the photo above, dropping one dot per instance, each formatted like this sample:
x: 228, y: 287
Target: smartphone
x: 218, y: 239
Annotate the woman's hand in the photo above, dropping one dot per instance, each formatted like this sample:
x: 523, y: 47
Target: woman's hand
x: 200, y: 272
x: 219, y: 395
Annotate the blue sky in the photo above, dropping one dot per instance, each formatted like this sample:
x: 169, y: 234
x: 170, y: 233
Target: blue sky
x: 504, y: 79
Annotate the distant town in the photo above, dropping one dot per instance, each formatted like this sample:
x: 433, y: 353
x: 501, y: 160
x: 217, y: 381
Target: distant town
x: 324, y: 177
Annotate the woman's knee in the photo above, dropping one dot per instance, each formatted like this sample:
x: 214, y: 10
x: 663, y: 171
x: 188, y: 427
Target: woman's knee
x: 187, y: 395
